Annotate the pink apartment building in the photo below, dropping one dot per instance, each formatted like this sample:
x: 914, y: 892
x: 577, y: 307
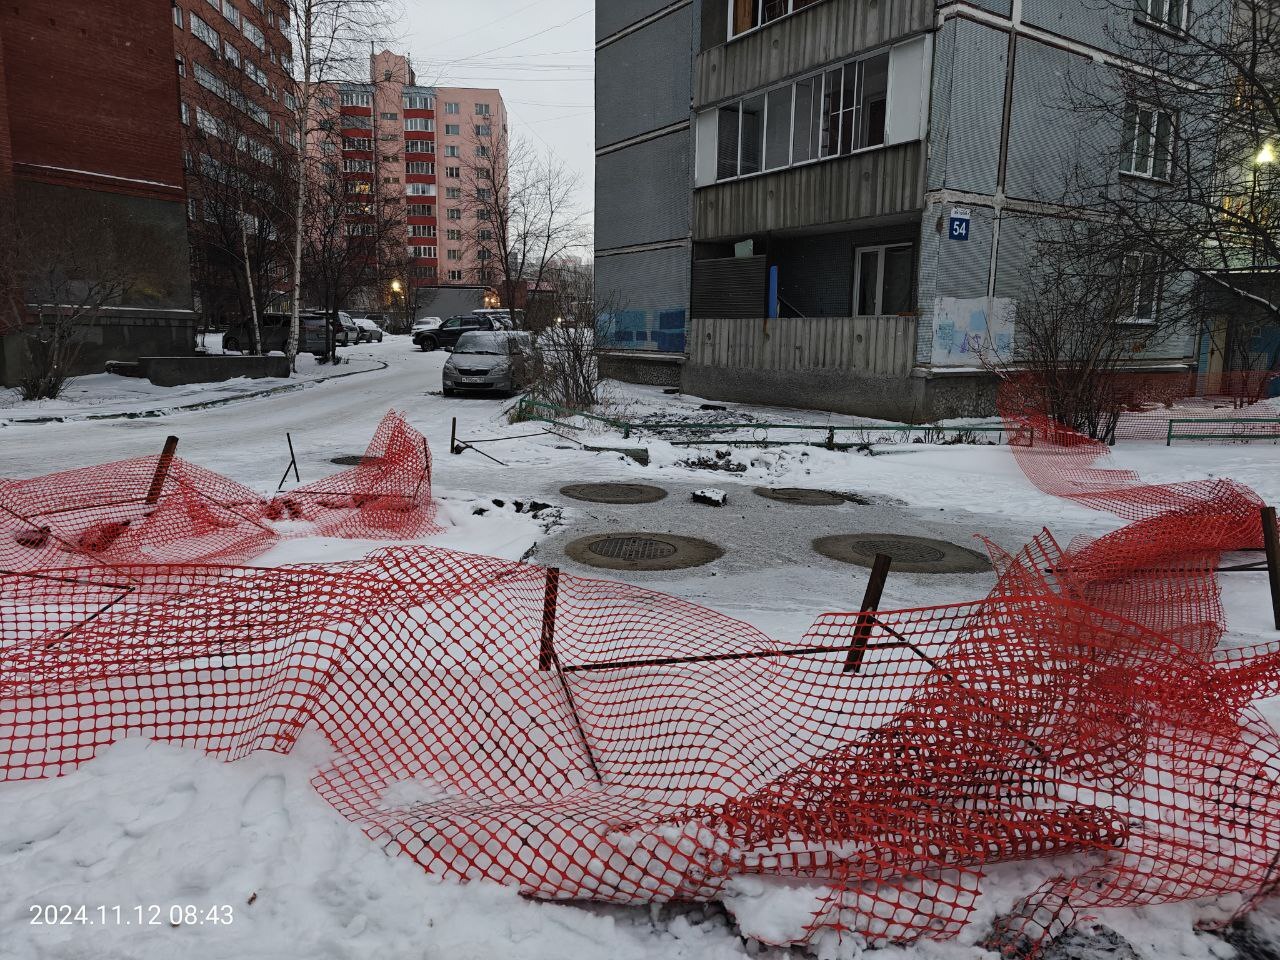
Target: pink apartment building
x: 399, y: 142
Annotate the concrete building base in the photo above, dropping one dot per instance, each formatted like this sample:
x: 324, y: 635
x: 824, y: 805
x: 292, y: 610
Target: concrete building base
x: 922, y: 397
x: 634, y: 366
x: 179, y: 371
x: 126, y: 335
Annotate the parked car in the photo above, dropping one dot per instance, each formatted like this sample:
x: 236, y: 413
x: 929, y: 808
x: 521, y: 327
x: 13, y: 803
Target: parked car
x: 274, y: 329
x: 447, y: 334
x: 369, y: 331
x: 378, y: 318
x: 426, y: 323
x: 488, y: 360
x: 346, y: 332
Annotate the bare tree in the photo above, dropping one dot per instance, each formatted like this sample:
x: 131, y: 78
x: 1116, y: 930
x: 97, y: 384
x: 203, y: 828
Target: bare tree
x: 331, y: 40
x: 61, y: 274
x: 519, y: 217
x: 565, y: 367
x: 1087, y: 311
x: 1198, y: 183
x: 239, y: 178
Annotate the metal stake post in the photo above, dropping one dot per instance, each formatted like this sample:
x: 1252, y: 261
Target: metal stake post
x: 1271, y: 541
x: 870, y: 603
x: 162, y: 470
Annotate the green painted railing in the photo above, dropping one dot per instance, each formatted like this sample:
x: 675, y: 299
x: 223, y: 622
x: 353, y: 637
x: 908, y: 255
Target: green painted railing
x: 530, y: 409
x: 1241, y: 429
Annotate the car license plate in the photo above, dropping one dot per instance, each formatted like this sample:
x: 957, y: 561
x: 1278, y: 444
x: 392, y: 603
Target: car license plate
x: 473, y: 379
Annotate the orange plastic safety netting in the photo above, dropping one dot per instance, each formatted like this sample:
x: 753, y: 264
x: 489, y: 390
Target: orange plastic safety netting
x: 583, y: 739
x: 161, y: 509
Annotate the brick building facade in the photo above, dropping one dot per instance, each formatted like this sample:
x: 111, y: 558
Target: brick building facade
x: 88, y: 144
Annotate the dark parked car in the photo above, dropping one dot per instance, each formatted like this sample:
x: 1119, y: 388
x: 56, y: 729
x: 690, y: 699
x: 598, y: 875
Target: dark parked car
x: 274, y: 328
x: 447, y: 334
x: 488, y: 360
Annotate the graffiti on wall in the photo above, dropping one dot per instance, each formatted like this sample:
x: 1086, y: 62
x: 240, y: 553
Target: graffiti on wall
x: 967, y: 331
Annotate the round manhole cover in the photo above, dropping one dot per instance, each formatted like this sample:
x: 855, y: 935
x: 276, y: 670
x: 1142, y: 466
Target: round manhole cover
x: 642, y: 551
x: 632, y: 549
x: 614, y: 492
x: 909, y: 554
x: 353, y: 460
x: 808, y: 497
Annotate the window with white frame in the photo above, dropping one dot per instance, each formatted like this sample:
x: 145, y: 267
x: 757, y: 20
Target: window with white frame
x: 482, y: 151
x: 186, y: 113
x: 354, y: 121
x: 230, y: 12
x: 419, y: 146
x: 423, y: 253
x: 422, y: 230
x: 452, y: 108
x: 420, y: 166
x: 357, y: 166
x: 1149, y: 134
x: 453, y: 172
x: 1141, y: 275
x: 453, y: 129
x: 484, y: 130
x: 746, y: 15
x: 230, y: 54
x: 177, y: 16
x: 451, y: 150
x: 419, y: 101
x: 356, y: 98
x: 388, y: 116
x: 452, y: 254
x: 254, y: 35
x: 482, y: 109
x: 455, y: 275
x: 453, y: 213
x: 484, y: 194
x: 205, y: 33
x: 453, y: 193
x: 453, y: 235
x: 484, y: 235
x: 884, y: 280
x: 182, y: 65
x: 830, y: 114
x: 1170, y: 14
x: 421, y: 210
x: 420, y: 123
x: 421, y: 189
x: 357, y: 143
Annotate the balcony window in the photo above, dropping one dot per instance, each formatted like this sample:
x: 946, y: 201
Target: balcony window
x: 830, y: 114
x: 1148, y: 142
x: 749, y: 14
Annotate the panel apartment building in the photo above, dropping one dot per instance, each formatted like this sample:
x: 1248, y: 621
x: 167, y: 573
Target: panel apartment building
x: 91, y: 176
x: 420, y: 145
x: 831, y: 203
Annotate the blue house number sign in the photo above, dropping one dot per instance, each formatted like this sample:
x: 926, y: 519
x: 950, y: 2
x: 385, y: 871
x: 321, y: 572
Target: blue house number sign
x: 958, y: 227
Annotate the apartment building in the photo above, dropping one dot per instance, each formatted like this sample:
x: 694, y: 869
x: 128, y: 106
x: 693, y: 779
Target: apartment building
x: 237, y: 114
x: 424, y: 147
x: 844, y: 218
x: 91, y: 177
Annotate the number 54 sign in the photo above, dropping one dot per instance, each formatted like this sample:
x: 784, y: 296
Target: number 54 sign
x: 958, y: 225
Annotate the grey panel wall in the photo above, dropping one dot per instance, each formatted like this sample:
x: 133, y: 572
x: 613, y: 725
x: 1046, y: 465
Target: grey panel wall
x: 803, y: 41
x: 875, y: 183
x: 964, y: 266
x: 1087, y: 21
x: 968, y: 105
x: 646, y: 293
x: 1048, y: 141
x: 614, y: 15
x: 642, y: 79
x: 642, y: 192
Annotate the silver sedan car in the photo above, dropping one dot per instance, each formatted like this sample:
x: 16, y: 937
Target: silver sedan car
x: 488, y: 360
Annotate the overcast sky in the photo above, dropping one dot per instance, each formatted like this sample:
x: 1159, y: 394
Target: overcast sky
x: 538, y: 54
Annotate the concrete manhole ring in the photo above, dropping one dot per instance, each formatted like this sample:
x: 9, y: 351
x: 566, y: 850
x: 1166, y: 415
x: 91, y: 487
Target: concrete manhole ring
x: 613, y: 492
x: 910, y: 554
x: 353, y: 460
x: 809, y: 497
x: 642, y: 551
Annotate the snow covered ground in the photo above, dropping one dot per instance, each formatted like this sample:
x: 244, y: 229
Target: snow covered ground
x: 149, y: 824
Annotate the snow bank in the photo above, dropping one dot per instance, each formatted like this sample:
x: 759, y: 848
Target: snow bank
x: 153, y: 824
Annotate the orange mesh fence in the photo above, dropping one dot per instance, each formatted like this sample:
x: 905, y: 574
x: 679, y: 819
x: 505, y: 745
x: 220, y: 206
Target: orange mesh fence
x: 148, y: 510
x: 584, y: 739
